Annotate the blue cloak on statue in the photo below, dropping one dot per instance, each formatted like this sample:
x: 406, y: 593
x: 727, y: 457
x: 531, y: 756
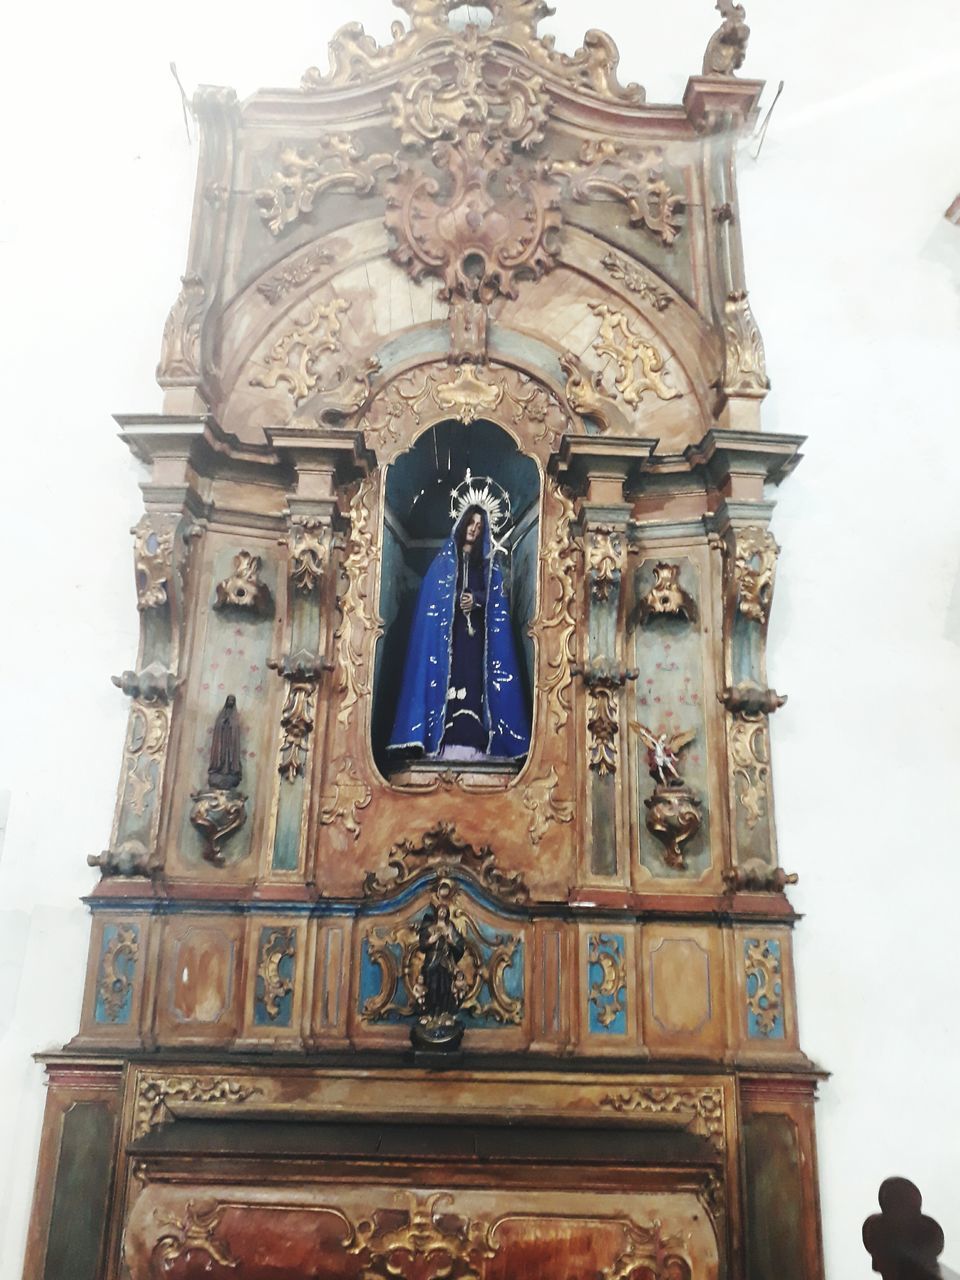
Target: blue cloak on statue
x: 461, y: 678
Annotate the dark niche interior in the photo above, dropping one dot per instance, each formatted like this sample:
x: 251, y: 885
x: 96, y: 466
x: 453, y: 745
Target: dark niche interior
x: 417, y: 521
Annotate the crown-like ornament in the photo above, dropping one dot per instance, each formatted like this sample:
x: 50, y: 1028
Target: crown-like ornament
x: 483, y: 492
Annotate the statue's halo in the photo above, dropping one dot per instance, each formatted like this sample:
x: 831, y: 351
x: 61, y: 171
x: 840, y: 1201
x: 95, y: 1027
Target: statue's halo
x: 484, y: 492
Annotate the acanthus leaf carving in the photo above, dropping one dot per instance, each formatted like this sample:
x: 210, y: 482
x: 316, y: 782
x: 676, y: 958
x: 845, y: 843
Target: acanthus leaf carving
x: 337, y: 162
x: 193, y: 1233
x: 592, y: 69
x: 640, y: 366
x: 358, y: 613
x: 276, y: 286
x: 754, y: 569
x: 442, y: 851
x: 636, y: 281
x: 180, y: 354
x: 348, y: 794
x: 604, y: 546
x: 158, y: 1095
x: 301, y: 671
x: 584, y: 391
x: 558, y: 627
x: 745, y: 364
x: 701, y: 1110
x: 295, y: 359
x: 603, y: 680
x: 430, y: 1243
x: 540, y: 800
x: 309, y: 546
x: 635, y: 178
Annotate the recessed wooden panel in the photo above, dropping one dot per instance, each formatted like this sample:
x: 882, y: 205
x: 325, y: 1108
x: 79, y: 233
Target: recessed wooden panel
x: 198, y: 997
x: 682, y: 971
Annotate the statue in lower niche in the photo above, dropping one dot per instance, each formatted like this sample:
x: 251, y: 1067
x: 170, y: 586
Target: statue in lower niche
x: 462, y: 696
x: 442, y: 984
x: 220, y: 810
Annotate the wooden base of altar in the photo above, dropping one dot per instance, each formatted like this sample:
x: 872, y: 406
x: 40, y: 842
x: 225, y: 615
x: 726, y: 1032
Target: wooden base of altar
x: 159, y: 1166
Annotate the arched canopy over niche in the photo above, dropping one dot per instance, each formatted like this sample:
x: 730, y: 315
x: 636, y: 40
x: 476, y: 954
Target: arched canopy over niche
x: 424, y: 488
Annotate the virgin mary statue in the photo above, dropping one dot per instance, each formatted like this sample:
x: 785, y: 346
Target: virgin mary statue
x: 461, y: 697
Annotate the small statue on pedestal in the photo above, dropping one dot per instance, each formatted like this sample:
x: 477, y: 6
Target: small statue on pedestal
x: 442, y: 984
x: 221, y: 810
x: 673, y: 811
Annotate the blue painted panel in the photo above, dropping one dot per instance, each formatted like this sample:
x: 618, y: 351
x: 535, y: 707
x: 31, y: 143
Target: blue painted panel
x: 273, y: 1005
x: 118, y: 965
x: 763, y: 959
x: 606, y: 984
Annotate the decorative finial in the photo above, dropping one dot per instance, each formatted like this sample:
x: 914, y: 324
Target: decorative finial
x: 728, y: 45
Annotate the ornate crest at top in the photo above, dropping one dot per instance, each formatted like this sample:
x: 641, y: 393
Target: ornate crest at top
x: 355, y: 56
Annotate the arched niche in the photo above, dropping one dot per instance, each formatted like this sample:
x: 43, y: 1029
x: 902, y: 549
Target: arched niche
x: 417, y: 521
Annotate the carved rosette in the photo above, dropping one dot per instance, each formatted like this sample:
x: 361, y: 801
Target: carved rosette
x: 242, y: 589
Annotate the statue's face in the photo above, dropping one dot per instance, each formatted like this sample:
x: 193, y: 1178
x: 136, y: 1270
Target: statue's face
x: 473, y: 530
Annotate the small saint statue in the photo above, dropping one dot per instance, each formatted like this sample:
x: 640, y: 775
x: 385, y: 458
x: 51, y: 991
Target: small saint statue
x: 225, y: 769
x: 442, y: 984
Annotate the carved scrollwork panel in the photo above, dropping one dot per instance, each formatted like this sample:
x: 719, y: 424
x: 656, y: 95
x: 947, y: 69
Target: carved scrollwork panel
x: 433, y: 1241
x: 556, y: 628
x: 764, y: 985
x: 193, y: 1233
x: 610, y: 169
x: 750, y: 764
x: 441, y: 850
x: 337, y: 162
x: 153, y: 560
x: 754, y: 568
x: 541, y: 801
x: 276, y: 973
x: 640, y: 366
x: 607, y: 977
x: 295, y: 360
x: 158, y: 1096
x: 118, y: 963
x: 361, y: 624
x: 701, y: 1110
x: 180, y: 351
x: 348, y: 794
x: 492, y: 966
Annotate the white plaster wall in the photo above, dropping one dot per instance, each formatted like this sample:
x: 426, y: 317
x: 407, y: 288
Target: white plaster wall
x: 855, y: 279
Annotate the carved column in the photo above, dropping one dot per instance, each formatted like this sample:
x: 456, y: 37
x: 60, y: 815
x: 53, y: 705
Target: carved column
x: 162, y: 549
x: 322, y: 461
x: 596, y: 469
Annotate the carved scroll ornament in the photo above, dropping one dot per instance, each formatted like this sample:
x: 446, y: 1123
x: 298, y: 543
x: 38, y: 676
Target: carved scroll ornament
x: 360, y: 623
x: 754, y: 570
x: 727, y: 48
x: 604, y: 679
x: 607, y: 992
x: 640, y: 366
x: 434, y: 1243
x: 666, y: 598
x: 492, y: 222
x: 180, y: 347
x: 541, y: 801
x: 336, y: 163
x: 608, y: 168
x: 398, y: 955
x: 556, y: 629
x: 153, y: 562
x: 193, y: 1233
x: 348, y: 794
x: 764, y: 984
x: 157, y: 1095
x: 701, y: 1110
x: 295, y: 359
x: 440, y: 849
x: 301, y: 671
x: 636, y: 281
x: 309, y: 544
x: 355, y: 56
x: 116, y: 970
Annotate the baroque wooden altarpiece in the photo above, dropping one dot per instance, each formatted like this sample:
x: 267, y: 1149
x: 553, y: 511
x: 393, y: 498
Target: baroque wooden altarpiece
x: 471, y: 239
